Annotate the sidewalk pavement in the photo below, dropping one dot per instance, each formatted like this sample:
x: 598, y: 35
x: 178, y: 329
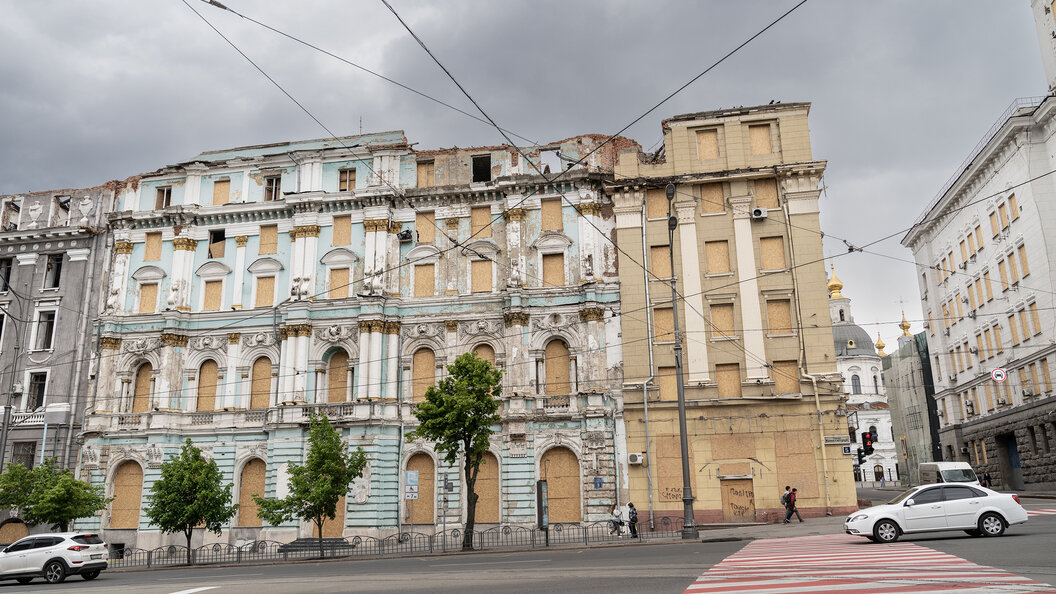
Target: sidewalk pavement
x: 809, y: 527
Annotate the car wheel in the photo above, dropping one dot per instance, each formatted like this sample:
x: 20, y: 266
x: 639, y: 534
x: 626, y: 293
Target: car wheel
x: 991, y: 525
x: 24, y: 581
x: 90, y: 575
x: 885, y: 531
x: 973, y: 532
x: 54, y: 572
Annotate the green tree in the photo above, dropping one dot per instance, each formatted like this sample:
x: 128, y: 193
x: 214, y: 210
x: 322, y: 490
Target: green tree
x: 190, y: 493
x: 316, y: 486
x: 49, y: 494
x: 458, y: 414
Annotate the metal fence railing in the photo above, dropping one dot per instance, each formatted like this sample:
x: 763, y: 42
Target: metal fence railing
x: 405, y: 543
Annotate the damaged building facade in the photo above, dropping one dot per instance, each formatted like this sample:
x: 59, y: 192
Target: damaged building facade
x: 763, y: 393
x: 253, y: 287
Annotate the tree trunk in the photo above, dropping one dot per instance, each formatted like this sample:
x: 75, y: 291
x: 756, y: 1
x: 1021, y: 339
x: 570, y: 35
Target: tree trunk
x: 471, y: 505
x: 64, y: 527
x: 188, y: 533
x: 319, y: 523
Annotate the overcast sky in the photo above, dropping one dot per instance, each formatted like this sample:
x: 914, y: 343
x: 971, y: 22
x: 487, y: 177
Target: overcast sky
x: 901, y: 90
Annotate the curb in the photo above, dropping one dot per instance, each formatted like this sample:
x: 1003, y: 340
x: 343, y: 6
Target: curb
x: 729, y: 539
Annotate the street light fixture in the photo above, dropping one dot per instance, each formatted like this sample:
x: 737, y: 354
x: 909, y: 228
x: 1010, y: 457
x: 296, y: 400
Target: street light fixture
x: 689, y: 525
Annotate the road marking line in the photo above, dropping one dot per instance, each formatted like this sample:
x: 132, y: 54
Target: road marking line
x: 487, y: 563
x: 193, y: 590
x: 1041, y: 512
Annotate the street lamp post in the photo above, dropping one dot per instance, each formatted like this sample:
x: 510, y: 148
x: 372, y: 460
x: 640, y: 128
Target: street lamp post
x: 689, y: 525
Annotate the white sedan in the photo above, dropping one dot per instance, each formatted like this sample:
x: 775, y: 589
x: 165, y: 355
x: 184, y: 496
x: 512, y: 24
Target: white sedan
x: 933, y: 508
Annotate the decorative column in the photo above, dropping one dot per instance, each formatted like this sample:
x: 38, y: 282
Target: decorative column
x: 374, y: 255
x: 240, y: 271
x: 392, y: 358
x: 233, y: 396
x: 304, y: 241
x: 118, y: 289
x: 286, y: 366
x: 303, y: 334
x: 519, y: 368
x: 514, y: 219
x: 192, y: 187
x: 108, y: 401
x: 377, y: 331
x: 392, y: 259
x: 589, y: 259
x: 451, y: 257
x: 591, y: 366
x: 310, y: 174
x: 168, y: 386
x: 452, y: 342
x: 363, y: 373
x: 183, y: 249
x: 751, y: 312
x: 692, y: 290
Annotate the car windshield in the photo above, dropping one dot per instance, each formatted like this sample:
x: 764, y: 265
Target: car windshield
x: 959, y: 475
x: 902, y: 496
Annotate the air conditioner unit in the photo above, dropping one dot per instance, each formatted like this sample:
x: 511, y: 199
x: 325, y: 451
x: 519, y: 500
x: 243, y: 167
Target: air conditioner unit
x: 758, y: 214
x: 16, y: 388
x: 964, y: 450
x: 953, y: 377
x: 973, y: 350
x: 964, y: 265
x: 1001, y: 401
x: 971, y: 315
x: 940, y: 413
x: 405, y: 235
x: 636, y: 458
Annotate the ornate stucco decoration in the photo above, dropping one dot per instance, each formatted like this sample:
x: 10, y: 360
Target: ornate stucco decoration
x: 209, y: 343
x: 140, y: 346
x: 258, y: 339
x: 154, y: 456
x: 478, y: 327
x: 591, y: 314
x: 361, y: 486
x: 112, y: 343
x: 174, y: 340
x: 515, y: 318
x: 515, y: 214
x: 185, y: 244
x: 123, y: 247
x: 423, y: 330
x: 85, y: 206
x: 336, y: 333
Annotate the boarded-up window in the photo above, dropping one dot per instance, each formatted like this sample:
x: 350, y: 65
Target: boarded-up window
x: 1033, y: 307
x: 1013, y: 270
x: 148, y: 298
x: 728, y: 378
x: 152, y: 249
x: 337, y: 377
x: 1024, y: 266
x: 557, y: 368
x: 250, y: 483
x: 759, y: 139
x: 779, y: 315
x: 1012, y: 328
x: 717, y: 256
x: 424, y: 282
x: 342, y: 230
x: 260, y: 390
x: 786, y: 377
x: 346, y: 180
x: 663, y: 324
x: 722, y: 319
x: 1002, y: 268
x: 484, y: 351
x: 712, y: 199
x: 338, y: 283
x: 660, y: 261
x: 141, y: 393
x: 481, y: 272
x: 1013, y: 208
x: 423, y: 371
x: 989, y: 288
x: 213, y: 294
x: 655, y: 204
x: 994, y: 226
x: 128, y: 492
x: 773, y: 253
x: 766, y: 193
x: 707, y: 144
x: 269, y: 239
x: 265, y: 291
x: 480, y: 221
x: 1002, y: 211
x: 551, y: 214
x: 425, y: 225
x: 208, y: 377
x: 221, y: 192
x: 667, y: 379
x: 553, y: 270
x: 487, y: 490
x: 423, y: 506
x: 560, y: 469
x: 426, y: 174
x: 12, y: 530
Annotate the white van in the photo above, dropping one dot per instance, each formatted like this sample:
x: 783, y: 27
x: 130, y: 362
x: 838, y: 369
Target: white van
x: 947, y: 472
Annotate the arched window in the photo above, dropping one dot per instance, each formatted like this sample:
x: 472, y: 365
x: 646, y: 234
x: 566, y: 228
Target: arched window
x: 251, y: 483
x: 559, y: 467
x: 141, y: 395
x: 423, y: 507
x: 208, y: 378
x: 423, y: 370
x: 557, y: 366
x: 128, y: 492
x: 876, y: 384
x: 260, y: 391
x: 337, y: 380
x: 876, y: 436
x: 487, y: 489
x: 485, y: 352
x: 856, y: 384
x: 842, y: 317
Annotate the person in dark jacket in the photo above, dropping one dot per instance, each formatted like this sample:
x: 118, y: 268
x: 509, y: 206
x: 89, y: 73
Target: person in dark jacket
x: 790, y: 507
x: 632, y: 520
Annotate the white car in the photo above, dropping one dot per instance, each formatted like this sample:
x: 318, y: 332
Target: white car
x: 933, y: 508
x: 53, y: 557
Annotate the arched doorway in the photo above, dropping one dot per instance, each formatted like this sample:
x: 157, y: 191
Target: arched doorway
x: 423, y: 506
x: 337, y: 377
x: 878, y: 473
x: 141, y: 394
x: 487, y: 489
x: 208, y: 377
x: 484, y: 351
x: 260, y: 391
x: 12, y: 530
x: 557, y: 368
x: 559, y: 467
x: 250, y: 483
x: 128, y: 493
x: 423, y: 370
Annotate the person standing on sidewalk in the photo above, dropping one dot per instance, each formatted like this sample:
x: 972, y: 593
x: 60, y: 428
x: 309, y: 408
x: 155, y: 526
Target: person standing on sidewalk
x: 617, y: 521
x: 632, y: 520
x: 790, y: 507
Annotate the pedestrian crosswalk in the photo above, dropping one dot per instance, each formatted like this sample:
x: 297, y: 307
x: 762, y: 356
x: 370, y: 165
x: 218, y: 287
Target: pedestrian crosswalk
x: 1041, y: 512
x: 843, y: 563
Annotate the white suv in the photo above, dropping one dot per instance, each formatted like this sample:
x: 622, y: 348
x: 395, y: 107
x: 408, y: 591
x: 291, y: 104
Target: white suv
x: 53, y: 557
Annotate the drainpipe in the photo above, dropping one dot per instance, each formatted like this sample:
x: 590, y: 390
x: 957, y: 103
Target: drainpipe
x: 821, y: 440
x: 399, y: 450
x: 645, y: 384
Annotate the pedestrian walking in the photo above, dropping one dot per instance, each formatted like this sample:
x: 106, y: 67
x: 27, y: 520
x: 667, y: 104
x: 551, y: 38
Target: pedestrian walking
x: 617, y: 521
x: 790, y: 507
x: 883, y: 483
x: 784, y: 496
x: 632, y: 520
x: 987, y: 481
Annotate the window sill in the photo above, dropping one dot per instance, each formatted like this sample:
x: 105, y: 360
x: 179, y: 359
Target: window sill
x: 785, y: 335
x: 774, y: 270
x: 724, y: 338
x: 47, y: 350
x: 719, y: 275
x: 51, y: 289
x: 713, y: 214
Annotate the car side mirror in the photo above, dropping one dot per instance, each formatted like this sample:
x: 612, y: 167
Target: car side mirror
x: 909, y: 503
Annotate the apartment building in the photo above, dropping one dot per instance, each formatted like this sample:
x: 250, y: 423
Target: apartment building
x: 746, y: 260
x: 907, y: 376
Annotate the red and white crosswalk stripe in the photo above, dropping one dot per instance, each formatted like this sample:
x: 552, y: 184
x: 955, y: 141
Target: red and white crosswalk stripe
x: 843, y: 563
x: 1041, y: 512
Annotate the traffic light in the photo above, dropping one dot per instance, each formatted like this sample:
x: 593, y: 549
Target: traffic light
x: 867, y: 442
x: 861, y: 457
